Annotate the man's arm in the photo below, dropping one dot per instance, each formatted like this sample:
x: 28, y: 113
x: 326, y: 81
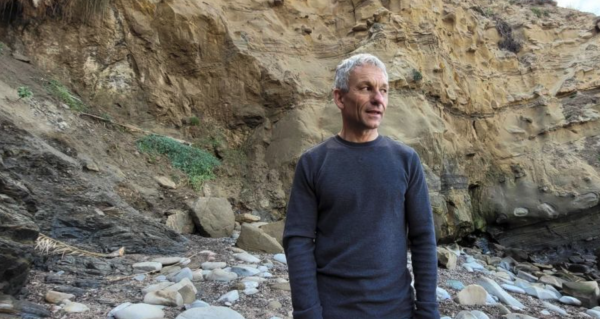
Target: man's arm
x: 298, y: 242
x: 421, y: 233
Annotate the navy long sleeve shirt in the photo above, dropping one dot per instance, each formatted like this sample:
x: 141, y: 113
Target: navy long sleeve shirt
x: 352, y: 210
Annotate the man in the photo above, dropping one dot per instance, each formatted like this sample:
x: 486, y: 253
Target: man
x: 356, y: 201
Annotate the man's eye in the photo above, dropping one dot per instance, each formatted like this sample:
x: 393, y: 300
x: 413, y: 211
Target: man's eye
x: 383, y: 90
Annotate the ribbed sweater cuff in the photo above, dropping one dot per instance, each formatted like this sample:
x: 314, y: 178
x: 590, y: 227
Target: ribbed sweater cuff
x: 315, y: 312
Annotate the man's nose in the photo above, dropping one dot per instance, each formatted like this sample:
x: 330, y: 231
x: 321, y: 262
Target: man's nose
x: 377, y: 98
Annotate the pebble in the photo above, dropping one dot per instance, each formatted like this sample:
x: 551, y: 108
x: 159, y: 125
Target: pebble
x: 554, y: 308
x: 595, y: 314
x: 245, y: 270
x: 161, y: 278
x: 266, y: 275
x: 158, y: 286
x: 182, y: 274
x: 247, y: 258
x: 197, y: 275
x: 274, y: 305
x: 210, y: 313
x: 74, y: 307
x: 480, y: 314
x: 250, y: 291
x: 221, y: 275
x: 545, y: 312
x: 455, y: 284
x: 442, y: 294
x: 56, y: 297
x: 166, y: 261
x: 213, y: 265
x: 280, y: 258
x: 139, y: 311
x: 512, y: 288
x: 230, y: 297
x: 197, y: 304
x: 140, y: 277
x: 570, y: 301
x: 147, y: 266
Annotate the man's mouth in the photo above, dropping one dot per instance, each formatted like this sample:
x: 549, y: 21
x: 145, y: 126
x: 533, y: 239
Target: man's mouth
x: 374, y: 112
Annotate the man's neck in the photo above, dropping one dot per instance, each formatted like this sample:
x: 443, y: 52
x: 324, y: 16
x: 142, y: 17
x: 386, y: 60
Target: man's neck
x: 358, y: 137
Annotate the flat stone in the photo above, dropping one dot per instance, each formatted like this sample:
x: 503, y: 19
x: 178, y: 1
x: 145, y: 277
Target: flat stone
x: 197, y: 275
x: 455, y: 284
x: 442, y: 294
x: 593, y: 313
x: 156, y: 287
x: 213, y: 265
x: 56, y: 297
x: 247, y: 218
x: 554, y: 308
x: 75, y: 307
x: 166, y: 261
x: 246, y: 257
x: 518, y: 316
x: 465, y: 314
x: 211, y: 312
x: 183, y: 273
x: 495, y: 290
x: 186, y: 289
x: 540, y: 293
x: 480, y: 314
x: 147, y: 266
x: 280, y: 258
x: 526, y: 276
x: 512, y: 288
x: 197, y: 304
x: 570, y: 301
x: 70, y: 290
x: 140, y: 311
x: 165, y: 182
x: 281, y: 286
x: 472, y: 295
x: 551, y: 280
x: 164, y: 298
x: 230, y: 297
x: 221, y: 275
x: 245, y: 271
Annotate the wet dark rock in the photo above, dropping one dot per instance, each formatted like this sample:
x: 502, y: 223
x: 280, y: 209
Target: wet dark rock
x: 18, y: 233
x: 87, y: 283
x: 578, y: 268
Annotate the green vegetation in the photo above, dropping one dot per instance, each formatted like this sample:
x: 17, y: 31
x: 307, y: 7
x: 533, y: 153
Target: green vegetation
x: 539, y: 12
x: 417, y: 76
x: 64, y: 95
x: 24, y: 92
x: 488, y: 12
x: 194, y: 121
x: 197, y: 164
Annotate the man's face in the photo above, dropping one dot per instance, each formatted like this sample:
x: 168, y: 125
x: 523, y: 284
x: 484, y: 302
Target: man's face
x: 365, y: 102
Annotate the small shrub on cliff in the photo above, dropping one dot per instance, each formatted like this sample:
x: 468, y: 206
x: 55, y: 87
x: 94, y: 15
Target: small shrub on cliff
x: 64, y: 95
x: 197, y: 164
x: 24, y: 92
x: 194, y: 121
x: 508, y: 42
x: 417, y: 76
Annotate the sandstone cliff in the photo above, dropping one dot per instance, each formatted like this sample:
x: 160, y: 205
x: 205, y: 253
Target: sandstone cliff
x: 499, y: 98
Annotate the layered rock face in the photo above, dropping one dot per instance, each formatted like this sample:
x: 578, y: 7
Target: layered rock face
x: 499, y: 99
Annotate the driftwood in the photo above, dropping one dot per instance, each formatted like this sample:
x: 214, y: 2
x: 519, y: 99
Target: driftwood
x: 48, y: 245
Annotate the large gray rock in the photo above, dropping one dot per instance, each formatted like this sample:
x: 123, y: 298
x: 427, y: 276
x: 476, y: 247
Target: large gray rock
x: 212, y: 312
x: 18, y: 233
x: 587, y: 292
x: 274, y: 230
x: 140, y: 311
x: 252, y: 238
x: 180, y: 221
x: 213, y: 217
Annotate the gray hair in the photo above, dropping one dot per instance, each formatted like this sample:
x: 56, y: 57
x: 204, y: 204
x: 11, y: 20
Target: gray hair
x: 342, y: 72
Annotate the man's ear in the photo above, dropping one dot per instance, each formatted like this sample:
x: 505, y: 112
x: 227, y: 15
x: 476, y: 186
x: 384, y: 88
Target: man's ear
x: 338, y: 98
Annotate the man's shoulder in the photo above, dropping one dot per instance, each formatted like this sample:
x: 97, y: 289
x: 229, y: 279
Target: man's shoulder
x: 318, y: 149
x: 399, y: 147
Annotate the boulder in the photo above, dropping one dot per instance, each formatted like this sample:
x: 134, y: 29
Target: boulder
x: 275, y: 230
x: 213, y: 217
x: 253, y: 238
x: 587, y: 292
x: 139, y: 311
x: 472, y: 295
x: 180, y: 221
x: 446, y: 258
